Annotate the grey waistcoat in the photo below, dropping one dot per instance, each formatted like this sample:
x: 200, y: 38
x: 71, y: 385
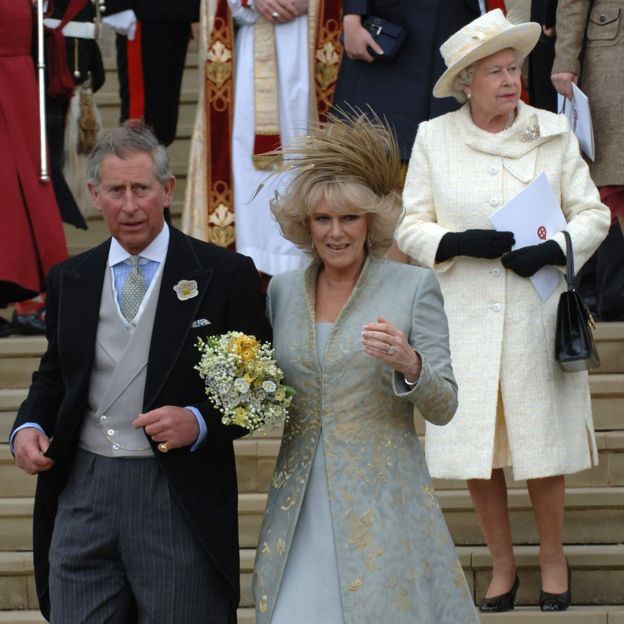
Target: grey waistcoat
x: 118, y: 379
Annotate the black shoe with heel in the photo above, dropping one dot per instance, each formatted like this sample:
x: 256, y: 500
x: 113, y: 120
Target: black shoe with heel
x: 502, y: 602
x: 557, y: 602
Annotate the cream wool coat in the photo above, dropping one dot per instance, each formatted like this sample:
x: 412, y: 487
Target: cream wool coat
x: 501, y: 334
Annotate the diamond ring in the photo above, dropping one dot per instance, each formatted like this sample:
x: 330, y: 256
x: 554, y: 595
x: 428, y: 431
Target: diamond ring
x: 163, y: 448
x: 390, y: 350
x: 275, y: 14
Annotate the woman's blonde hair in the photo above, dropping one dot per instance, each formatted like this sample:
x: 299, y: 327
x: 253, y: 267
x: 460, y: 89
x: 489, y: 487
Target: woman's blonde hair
x: 352, y: 162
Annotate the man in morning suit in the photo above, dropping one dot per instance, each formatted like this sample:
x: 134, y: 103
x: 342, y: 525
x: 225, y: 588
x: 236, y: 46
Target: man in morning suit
x: 136, y: 507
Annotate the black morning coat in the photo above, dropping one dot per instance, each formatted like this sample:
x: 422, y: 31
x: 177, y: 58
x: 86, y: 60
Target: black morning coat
x: 203, y: 482
x: 401, y: 89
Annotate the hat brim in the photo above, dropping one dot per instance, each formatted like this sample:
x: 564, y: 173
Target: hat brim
x: 521, y: 37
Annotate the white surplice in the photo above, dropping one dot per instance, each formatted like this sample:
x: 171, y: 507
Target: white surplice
x: 257, y: 233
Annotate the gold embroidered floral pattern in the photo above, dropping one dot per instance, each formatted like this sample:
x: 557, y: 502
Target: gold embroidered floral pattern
x: 219, y: 65
x: 221, y: 226
x: 356, y: 585
x: 327, y: 65
x: 327, y: 61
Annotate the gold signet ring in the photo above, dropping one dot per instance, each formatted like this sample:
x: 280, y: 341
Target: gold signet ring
x: 162, y: 447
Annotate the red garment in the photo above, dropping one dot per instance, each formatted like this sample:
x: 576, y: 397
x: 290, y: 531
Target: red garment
x: 613, y: 197
x: 31, y: 232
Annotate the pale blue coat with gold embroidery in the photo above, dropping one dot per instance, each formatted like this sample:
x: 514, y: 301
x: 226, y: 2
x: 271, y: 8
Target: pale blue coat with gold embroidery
x: 396, y: 560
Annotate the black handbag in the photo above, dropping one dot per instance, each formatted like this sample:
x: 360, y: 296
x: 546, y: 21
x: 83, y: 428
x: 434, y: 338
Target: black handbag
x: 387, y: 35
x: 574, y: 343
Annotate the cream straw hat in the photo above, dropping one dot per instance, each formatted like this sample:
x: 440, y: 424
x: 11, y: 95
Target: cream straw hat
x: 486, y: 35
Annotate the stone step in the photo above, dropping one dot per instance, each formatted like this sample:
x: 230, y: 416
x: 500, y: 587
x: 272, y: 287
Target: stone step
x: 610, y: 342
x: 597, y: 575
x: 255, y: 460
x: 586, y: 510
x: 190, y: 77
x: 522, y: 615
x: 108, y: 104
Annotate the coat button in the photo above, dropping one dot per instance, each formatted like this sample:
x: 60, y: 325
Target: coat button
x: 103, y: 417
x: 494, y: 202
x: 496, y: 307
x: 116, y: 446
x: 603, y: 17
x: 493, y: 170
x: 111, y: 432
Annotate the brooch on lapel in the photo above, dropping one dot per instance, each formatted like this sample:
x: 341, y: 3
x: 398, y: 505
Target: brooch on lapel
x: 532, y: 131
x: 200, y: 323
x: 186, y: 289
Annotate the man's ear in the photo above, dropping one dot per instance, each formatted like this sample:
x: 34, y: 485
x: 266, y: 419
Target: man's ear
x: 95, y: 194
x: 168, y: 191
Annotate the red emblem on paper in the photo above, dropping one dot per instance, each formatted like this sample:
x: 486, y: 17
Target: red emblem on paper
x: 541, y: 232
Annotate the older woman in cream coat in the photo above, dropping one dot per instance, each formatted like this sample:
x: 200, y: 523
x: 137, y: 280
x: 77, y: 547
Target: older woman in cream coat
x: 516, y: 406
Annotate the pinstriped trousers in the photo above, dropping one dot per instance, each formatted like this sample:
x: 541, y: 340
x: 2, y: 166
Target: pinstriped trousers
x: 122, y: 548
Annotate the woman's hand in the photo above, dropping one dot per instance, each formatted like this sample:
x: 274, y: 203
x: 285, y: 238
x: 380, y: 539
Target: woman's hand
x: 562, y: 81
x: 384, y: 341
x: 488, y: 244
x: 357, y: 39
x: 527, y: 261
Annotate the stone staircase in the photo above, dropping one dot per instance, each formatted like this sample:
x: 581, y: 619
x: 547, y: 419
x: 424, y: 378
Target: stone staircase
x: 594, y: 528
x: 594, y: 524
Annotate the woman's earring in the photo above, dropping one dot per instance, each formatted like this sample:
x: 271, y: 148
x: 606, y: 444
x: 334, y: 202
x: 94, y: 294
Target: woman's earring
x: 312, y: 244
x: 468, y: 95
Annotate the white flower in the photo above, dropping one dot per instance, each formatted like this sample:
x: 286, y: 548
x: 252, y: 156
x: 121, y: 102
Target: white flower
x: 241, y: 385
x: 269, y: 386
x: 186, y: 289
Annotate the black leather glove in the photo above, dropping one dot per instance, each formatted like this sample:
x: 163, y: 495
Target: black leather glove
x: 529, y: 260
x: 476, y: 243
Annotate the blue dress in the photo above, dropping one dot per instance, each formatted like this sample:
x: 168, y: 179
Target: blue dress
x: 310, y: 589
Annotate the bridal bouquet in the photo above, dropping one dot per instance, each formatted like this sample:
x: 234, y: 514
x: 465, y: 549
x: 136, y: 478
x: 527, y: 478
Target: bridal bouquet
x: 243, y: 381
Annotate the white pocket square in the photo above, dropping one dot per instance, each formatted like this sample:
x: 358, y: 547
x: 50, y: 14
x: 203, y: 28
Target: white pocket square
x: 200, y: 323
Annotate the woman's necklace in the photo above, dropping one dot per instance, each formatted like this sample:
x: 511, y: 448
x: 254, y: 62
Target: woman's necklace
x: 510, y: 120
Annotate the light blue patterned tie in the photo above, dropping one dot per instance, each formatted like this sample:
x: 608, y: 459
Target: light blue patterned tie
x: 133, y: 290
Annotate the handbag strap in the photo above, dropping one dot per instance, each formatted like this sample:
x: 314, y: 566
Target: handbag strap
x: 569, y: 260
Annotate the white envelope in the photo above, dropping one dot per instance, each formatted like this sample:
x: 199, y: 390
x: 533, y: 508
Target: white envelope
x: 579, y: 115
x: 534, y: 216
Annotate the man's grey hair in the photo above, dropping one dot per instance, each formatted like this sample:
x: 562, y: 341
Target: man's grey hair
x: 131, y: 137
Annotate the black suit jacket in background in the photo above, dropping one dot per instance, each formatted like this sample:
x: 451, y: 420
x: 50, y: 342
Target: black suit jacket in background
x: 165, y: 10
x: 401, y: 90
x: 203, y: 482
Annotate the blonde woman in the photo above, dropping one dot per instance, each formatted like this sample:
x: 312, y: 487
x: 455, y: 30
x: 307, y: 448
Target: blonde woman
x: 352, y: 530
x: 516, y: 406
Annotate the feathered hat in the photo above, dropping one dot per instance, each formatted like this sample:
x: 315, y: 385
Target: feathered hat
x: 351, y: 146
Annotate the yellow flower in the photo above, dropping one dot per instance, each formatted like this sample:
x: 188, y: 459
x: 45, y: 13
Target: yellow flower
x: 280, y: 394
x: 240, y: 417
x: 247, y: 355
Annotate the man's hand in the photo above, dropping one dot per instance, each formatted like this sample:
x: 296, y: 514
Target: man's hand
x: 176, y: 426
x: 30, y: 445
x: 357, y: 40
x: 281, y: 11
x: 562, y: 82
